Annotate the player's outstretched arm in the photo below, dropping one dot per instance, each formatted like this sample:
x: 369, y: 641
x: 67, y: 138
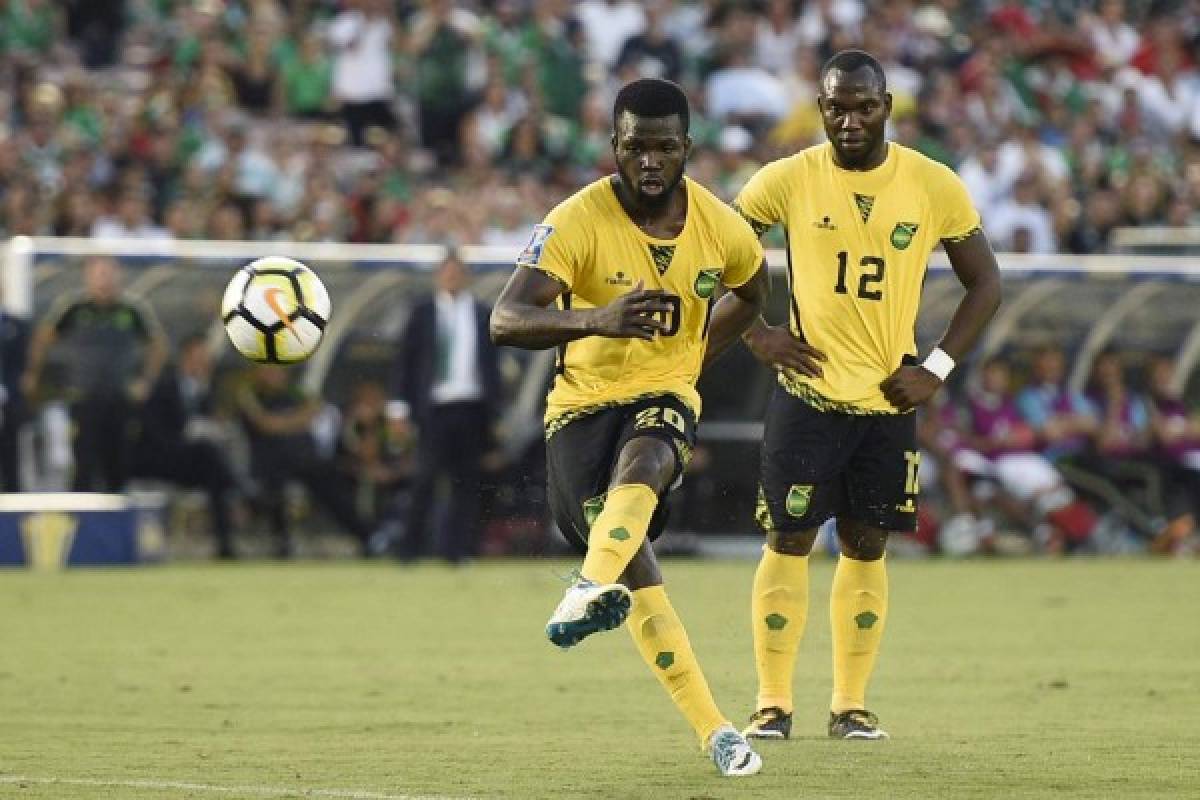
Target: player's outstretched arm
x: 734, y: 313
x: 521, y: 317
x: 975, y: 265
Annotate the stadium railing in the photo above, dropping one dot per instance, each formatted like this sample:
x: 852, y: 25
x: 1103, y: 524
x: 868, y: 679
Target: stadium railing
x: 1157, y: 240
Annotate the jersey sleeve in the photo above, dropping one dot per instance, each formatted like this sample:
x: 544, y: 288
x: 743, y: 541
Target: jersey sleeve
x: 763, y: 200
x: 558, y: 246
x: 743, y: 254
x: 954, y: 213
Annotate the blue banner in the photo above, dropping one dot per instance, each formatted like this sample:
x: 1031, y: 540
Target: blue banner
x: 58, y: 535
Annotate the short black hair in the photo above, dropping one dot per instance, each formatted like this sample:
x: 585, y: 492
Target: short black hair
x: 652, y: 97
x: 850, y: 60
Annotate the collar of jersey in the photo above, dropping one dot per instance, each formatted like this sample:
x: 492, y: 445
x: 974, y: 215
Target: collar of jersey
x: 611, y: 194
x: 870, y: 180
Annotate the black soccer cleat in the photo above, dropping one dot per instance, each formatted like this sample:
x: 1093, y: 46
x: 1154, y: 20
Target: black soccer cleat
x: 769, y: 723
x: 856, y: 724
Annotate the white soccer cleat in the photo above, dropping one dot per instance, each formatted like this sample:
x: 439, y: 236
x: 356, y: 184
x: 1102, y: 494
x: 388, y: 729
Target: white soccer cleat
x: 732, y: 754
x: 588, y: 608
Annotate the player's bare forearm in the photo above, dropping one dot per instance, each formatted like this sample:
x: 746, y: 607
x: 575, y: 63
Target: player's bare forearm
x: 735, y: 312
x: 975, y: 265
x: 777, y: 347
x: 532, y: 327
x: 521, y: 317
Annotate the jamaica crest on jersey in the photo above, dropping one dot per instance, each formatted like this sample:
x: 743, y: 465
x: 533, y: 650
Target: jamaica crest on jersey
x: 706, y: 282
x: 902, y: 234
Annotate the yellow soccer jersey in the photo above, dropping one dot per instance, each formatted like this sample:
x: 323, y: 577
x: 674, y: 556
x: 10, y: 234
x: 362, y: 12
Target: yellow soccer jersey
x: 858, y: 247
x: 589, y: 244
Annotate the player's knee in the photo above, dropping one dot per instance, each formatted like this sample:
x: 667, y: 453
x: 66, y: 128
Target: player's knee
x: 791, y: 543
x: 861, y: 543
x: 646, y: 461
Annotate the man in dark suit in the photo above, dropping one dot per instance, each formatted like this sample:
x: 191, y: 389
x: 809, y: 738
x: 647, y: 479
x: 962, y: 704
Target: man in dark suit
x: 448, y: 374
x: 176, y: 439
x: 14, y: 344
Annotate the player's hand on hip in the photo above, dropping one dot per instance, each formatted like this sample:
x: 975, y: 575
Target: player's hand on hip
x: 639, y: 314
x: 776, y: 346
x: 909, y: 387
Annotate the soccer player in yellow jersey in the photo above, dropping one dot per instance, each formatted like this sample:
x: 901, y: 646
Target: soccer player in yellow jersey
x: 862, y: 216
x: 633, y: 265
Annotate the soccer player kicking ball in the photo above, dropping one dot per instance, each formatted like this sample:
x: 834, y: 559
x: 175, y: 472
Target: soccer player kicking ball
x: 633, y: 264
x: 862, y: 216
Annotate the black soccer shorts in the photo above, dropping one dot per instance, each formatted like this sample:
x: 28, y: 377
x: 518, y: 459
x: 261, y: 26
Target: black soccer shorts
x: 581, y: 457
x: 821, y: 464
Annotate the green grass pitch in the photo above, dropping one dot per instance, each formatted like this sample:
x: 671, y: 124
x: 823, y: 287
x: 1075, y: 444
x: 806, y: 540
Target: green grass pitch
x: 1002, y: 679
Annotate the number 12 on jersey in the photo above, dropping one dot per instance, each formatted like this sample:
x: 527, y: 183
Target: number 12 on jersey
x: 872, y: 273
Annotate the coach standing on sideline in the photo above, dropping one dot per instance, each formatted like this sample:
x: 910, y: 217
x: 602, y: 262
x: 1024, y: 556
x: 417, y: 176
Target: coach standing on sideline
x: 448, y: 374
x: 116, y: 350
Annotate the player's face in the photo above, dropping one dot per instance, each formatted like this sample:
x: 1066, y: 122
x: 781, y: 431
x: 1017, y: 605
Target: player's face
x: 650, y: 154
x: 854, y: 110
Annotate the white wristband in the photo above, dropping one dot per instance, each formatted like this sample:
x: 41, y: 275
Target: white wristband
x: 939, y: 363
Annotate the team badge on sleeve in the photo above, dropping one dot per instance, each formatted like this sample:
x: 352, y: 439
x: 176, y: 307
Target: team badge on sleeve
x: 532, y: 253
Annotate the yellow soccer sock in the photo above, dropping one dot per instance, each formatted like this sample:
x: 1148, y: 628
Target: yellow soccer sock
x: 857, y: 613
x: 779, y: 609
x: 619, y: 531
x: 663, y: 643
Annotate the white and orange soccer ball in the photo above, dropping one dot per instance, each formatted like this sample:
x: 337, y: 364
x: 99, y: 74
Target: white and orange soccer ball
x: 275, y: 310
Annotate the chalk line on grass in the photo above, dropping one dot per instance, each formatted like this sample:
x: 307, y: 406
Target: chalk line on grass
x: 245, y: 791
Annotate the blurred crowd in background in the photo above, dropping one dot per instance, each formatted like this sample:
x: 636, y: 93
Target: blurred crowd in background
x: 1112, y: 468
x: 406, y: 121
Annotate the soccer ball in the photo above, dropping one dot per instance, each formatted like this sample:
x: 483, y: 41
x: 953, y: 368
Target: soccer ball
x: 275, y: 310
